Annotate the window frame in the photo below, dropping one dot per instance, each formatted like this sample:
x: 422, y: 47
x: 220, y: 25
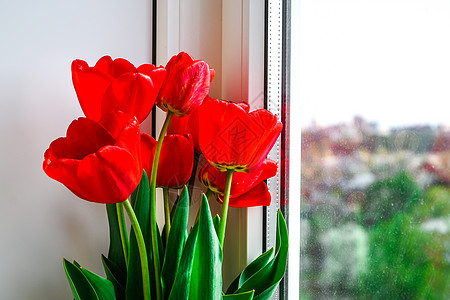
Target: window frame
x: 247, y: 30
x: 287, y: 151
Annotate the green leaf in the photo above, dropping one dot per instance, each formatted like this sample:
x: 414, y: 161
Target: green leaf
x: 266, y: 279
x: 241, y: 296
x: 163, y: 237
x: 250, y: 270
x: 199, y: 274
x: 175, y: 243
x: 80, y: 285
x: 255, y: 266
x: 116, y: 276
x: 234, y: 285
x: 115, y: 253
x: 160, y: 245
x: 282, y: 246
x: 76, y: 264
x: 151, y: 264
x: 207, y: 282
x: 267, y: 294
x: 103, y: 287
x: 181, y: 285
x: 216, y: 222
x: 134, y: 288
x: 114, y: 265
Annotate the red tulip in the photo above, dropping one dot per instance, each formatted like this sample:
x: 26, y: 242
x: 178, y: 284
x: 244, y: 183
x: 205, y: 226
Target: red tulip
x: 232, y: 138
x: 186, y: 85
x: 175, y: 161
x: 98, y: 161
x: 190, y: 124
x: 247, y: 189
x: 116, y: 85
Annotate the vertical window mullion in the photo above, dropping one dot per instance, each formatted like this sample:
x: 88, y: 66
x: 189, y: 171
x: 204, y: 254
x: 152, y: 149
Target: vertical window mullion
x: 274, y: 48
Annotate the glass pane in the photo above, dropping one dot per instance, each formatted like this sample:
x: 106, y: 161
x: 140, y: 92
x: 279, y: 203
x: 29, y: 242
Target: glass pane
x: 374, y: 78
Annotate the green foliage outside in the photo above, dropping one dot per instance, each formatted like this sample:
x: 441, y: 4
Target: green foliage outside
x: 388, y: 197
x: 404, y: 233
x: 405, y: 260
x: 400, y: 266
x: 436, y: 204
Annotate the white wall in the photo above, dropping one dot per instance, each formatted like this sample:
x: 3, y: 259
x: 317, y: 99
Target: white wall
x: 40, y: 220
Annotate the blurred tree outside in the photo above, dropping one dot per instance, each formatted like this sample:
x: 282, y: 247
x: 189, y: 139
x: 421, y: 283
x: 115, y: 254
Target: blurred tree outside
x: 403, y: 262
x: 375, y: 219
x: 388, y: 197
x: 396, y: 245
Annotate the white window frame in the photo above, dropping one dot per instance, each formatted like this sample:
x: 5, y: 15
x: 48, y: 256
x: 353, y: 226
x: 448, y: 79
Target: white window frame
x: 230, y: 36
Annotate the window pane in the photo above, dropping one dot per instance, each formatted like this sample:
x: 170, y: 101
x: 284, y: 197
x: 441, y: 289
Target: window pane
x: 375, y: 221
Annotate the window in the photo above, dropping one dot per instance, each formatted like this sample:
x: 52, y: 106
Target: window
x: 235, y: 48
x: 280, y: 99
x: 375, y: 188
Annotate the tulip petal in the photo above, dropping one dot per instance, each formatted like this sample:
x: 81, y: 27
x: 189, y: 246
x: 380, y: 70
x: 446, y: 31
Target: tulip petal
x: 242, y: 182
x: 257, y: 196
x: 176, y: 161
x: 131, y: 93
x: 90, y: 85
x: 116, y: 67
x: 106, y: 176
x: 268, y: 138
x: 64, y: 171
x: 212, y: 74
x: 56, y: 150
x: 104, y: 64
x: 245, y: 181
x: 179, y: 61
x: 195, y: 83
x: 186, y: 85
x: 102, y: 88
x: 146, y: 69
x: 190, y: 123
x: 148, y: 144
x: 179, y: 125
x: 125, y: 129
x: 121, y: 66
x: 85, y: 136
x: 244, y: 106
x: 227, y: 134
x: 157, y: 74
x: 92, y: 163
x: 114, y: 122
x: 232, y: 138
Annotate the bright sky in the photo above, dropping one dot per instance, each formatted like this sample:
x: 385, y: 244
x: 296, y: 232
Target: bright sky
x: 385, y: 60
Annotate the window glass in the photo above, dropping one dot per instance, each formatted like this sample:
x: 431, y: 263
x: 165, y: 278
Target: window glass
x: 375, y: 175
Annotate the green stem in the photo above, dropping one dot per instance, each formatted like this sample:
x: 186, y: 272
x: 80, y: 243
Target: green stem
x: 167, y: 211
x: 142, y: 249
x: 153, y: 228
x: 123, y: 232
x: 226, y: 200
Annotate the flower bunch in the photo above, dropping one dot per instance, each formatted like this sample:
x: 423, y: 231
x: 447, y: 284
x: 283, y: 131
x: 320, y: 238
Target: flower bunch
x: 105, y: 158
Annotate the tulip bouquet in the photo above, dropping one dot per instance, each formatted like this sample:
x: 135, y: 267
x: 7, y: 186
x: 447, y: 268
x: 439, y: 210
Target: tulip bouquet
x: 104, y: 158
